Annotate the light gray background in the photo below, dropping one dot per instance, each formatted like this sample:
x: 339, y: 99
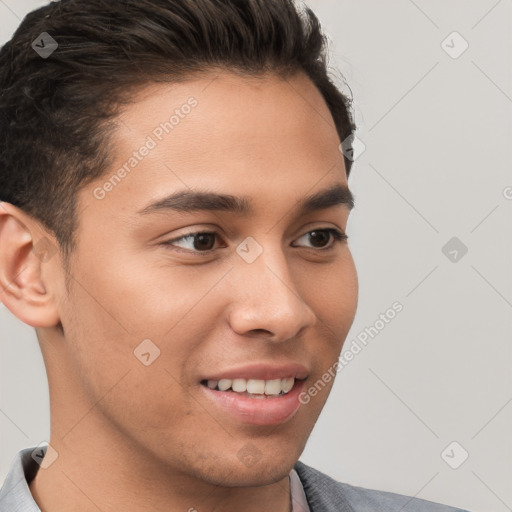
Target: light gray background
x: 437, y: 164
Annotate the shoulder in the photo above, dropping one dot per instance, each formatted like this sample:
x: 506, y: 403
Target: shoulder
x: 325, y: 494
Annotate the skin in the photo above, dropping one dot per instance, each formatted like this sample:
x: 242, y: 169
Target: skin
x: 122, y: 430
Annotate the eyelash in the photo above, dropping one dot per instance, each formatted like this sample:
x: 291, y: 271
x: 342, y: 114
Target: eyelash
x: 337, y: 235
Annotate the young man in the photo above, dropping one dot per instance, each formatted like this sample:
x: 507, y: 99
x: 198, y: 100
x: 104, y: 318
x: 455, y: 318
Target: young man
x: 181, y: 374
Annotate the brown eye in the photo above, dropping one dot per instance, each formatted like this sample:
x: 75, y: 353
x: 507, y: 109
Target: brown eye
x: 319, y: 237
x: 201, y: 241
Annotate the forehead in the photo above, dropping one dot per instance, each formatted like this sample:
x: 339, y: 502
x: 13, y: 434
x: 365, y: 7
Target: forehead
x: 265, y: 136
x: 228, y: 114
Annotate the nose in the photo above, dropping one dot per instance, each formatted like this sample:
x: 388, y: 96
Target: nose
x: 266, y: 300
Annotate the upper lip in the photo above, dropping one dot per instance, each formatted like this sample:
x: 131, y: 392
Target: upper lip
x: 261, y: 371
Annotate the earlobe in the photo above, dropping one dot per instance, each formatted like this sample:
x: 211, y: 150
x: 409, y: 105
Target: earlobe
x: 25, y: 256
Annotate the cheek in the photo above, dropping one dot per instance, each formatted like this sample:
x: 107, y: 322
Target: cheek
x: 105, y: 331
x: 334, y: 299
x: 135, y: 397
x: 148, y: 398
x: 332, y: 293
x: 154, y: 297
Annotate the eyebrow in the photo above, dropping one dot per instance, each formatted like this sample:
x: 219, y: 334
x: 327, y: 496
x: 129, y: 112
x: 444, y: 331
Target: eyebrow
x: 190, y: 201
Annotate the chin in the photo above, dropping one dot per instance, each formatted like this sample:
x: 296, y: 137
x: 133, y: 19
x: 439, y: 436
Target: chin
x: 266, y: 471
x: 256, y: 476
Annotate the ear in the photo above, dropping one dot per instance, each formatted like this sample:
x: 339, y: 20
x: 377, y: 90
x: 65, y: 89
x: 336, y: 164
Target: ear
x: 28, y: 259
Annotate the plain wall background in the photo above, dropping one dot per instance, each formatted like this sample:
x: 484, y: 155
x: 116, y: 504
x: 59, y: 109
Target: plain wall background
x: 437, y: 132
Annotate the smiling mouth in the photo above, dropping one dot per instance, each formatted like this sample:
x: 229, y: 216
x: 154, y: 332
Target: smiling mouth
x: 256, y: 402
x: 254, y: 388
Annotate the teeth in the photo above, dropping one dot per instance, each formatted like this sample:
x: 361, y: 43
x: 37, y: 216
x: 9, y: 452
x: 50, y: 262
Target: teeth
x: 272, y: 387
x: 224, y: 384
x: 287, y: 384
x: 256, y: 386
x: 239, y: 385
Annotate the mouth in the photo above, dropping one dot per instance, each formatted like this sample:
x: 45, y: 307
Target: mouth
x: 253, y: 388
x: 255, y: 401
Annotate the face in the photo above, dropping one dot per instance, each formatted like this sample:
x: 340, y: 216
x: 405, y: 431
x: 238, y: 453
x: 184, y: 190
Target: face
x: 160, y: 317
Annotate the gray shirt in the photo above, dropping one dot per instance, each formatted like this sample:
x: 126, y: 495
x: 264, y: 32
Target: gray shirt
x: 311, y: 491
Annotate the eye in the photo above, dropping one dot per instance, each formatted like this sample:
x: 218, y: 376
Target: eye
x: 202, y: 241
x: 321, y: 235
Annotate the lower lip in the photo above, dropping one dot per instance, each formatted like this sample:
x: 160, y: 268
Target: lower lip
x: 257, y: 411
